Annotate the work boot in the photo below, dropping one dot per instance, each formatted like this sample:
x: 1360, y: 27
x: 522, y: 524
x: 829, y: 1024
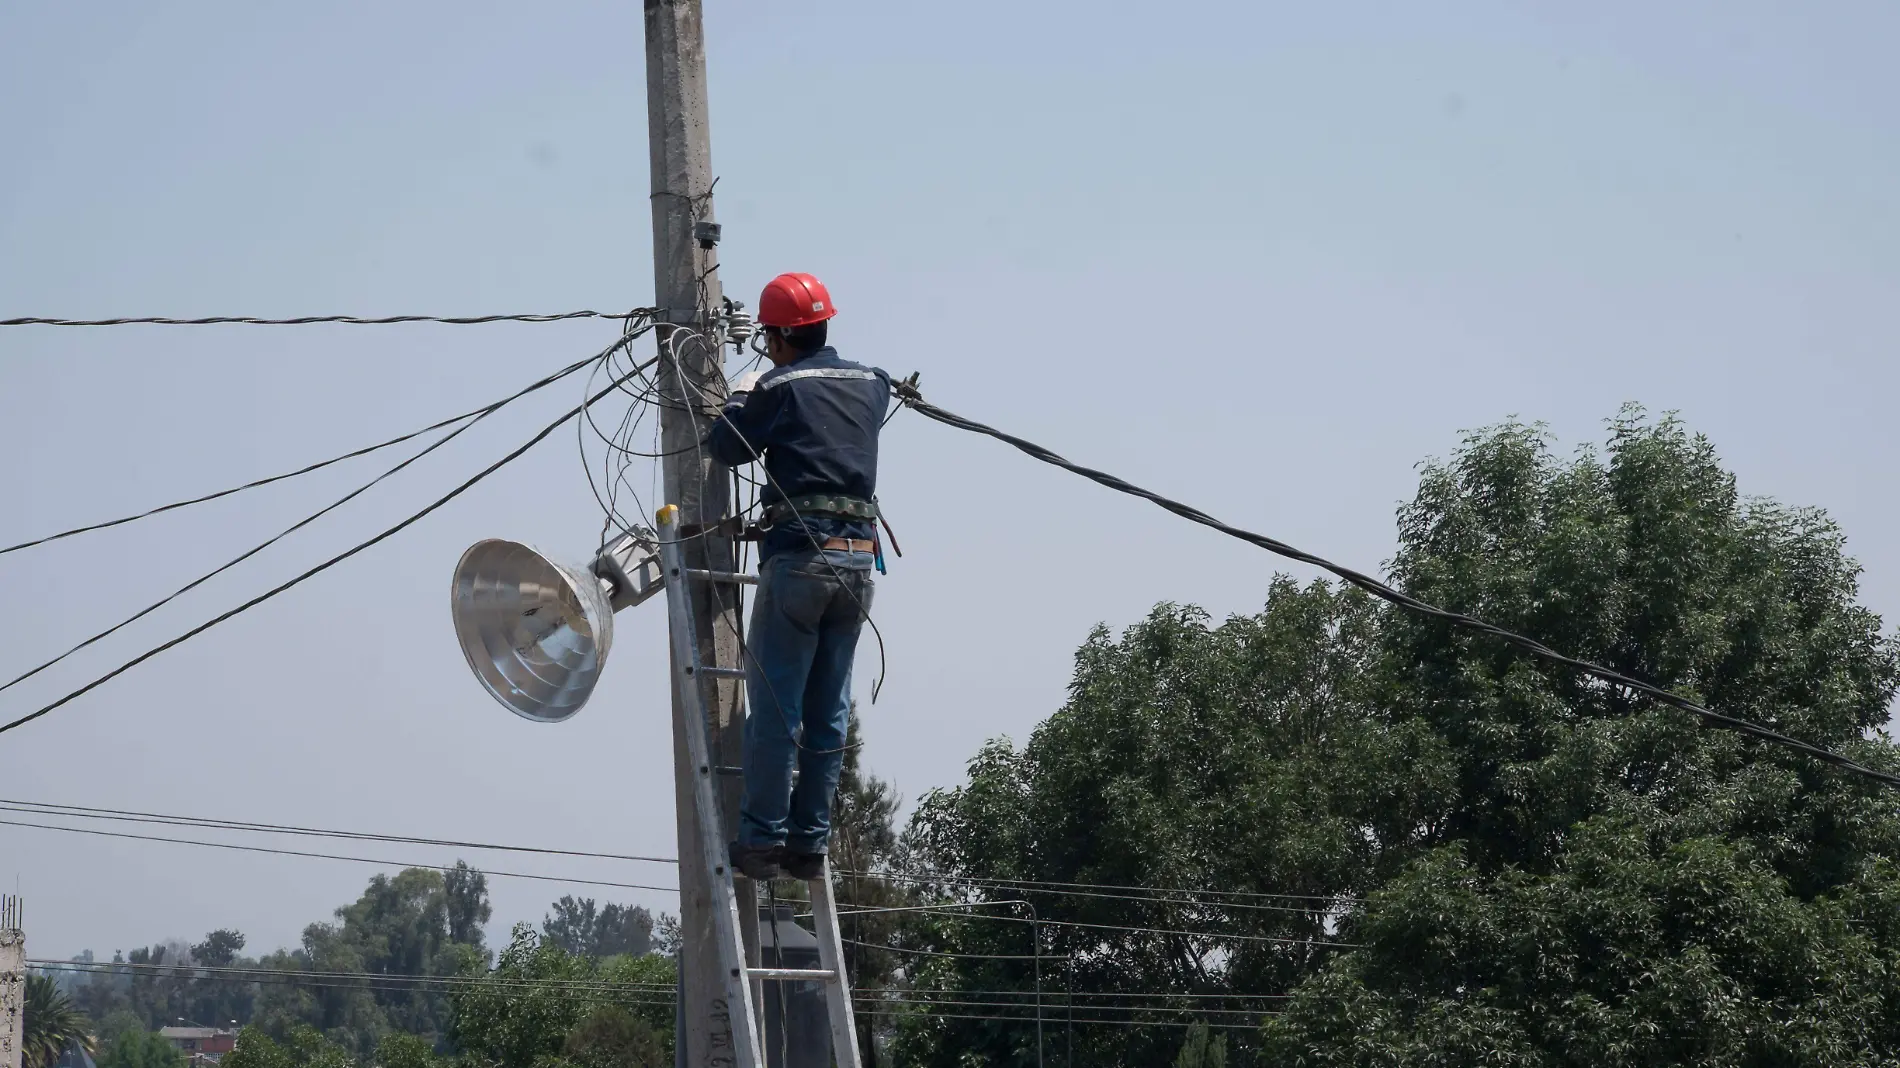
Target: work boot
x: 806, y: 866
x: 755, y: 862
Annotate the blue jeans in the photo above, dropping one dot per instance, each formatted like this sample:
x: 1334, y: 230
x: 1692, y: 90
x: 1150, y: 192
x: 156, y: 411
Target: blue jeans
x: 805, y: 622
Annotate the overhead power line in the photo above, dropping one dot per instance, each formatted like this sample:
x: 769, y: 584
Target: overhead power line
x: 909, y: 395
x: 1056, y: 1016
x: 1059, y: 1008
x: 37, y: 808
x: 351, y: 320
x: 251, y: 972
x: 319, y: 465
x: 369, y: 981
x: 1124, y: 928
x: 329, y: 856
x: 340, y: 557
x: 1137, y: 894
x: 1158, y: 894
x: 298, y: 525
x: 257, y: 973
x: 222, y: 825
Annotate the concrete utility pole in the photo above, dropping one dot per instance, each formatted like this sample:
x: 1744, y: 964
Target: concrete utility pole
x: 688, y: 294
x: 12, y: 982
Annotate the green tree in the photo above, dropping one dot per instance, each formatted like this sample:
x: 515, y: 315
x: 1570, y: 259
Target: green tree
x: 398, y: 1050
x: 116, y: 1024
x: 49, y: 1025
x: 1459, y: 854
x: 580, y: 926
x: 399, y: 926
x: 255, y: 1049
x: 610, y: 1036
x: 1612, y: 884
x: 164, y: 983
x: 419, y: 922
x: 219, y: 949
x: 140, y: 1049
x: 211, y: 998
x: 302, y: 1047
x: 465, y: 900
x: 1202, y: 1048
x: 543, y: 1007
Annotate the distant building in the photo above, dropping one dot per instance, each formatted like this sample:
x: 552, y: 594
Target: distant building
x: 201, y: 1045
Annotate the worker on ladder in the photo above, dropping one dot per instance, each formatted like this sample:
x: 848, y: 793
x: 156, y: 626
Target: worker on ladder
x: 813, y: 419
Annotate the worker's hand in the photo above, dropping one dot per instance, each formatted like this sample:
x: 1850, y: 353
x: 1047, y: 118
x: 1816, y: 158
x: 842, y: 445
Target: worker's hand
x: 745, y: 382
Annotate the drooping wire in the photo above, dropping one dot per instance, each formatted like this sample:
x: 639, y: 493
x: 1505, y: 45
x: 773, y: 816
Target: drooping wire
x: 331, y: 562
x: 319, y: 465
x: 1460, y: 620
x: 298, y: 525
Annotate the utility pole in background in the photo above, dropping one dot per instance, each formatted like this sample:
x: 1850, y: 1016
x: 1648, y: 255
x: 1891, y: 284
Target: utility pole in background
x: 12, y: 982
x: 686, y: 281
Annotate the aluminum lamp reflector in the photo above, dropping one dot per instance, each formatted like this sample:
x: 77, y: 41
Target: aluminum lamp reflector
x: 535, y: 631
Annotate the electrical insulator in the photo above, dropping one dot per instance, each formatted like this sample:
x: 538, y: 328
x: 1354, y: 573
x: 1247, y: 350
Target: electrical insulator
x: 739, y: 325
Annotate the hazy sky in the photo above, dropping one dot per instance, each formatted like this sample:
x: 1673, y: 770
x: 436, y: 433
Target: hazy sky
x: 1264, y: 257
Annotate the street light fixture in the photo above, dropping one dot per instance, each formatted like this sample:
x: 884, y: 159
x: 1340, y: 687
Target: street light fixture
x: 536, y: 630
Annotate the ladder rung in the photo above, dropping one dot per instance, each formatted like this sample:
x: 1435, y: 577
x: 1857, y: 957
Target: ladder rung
x: 718, y: 672
x: 728, y: 769
x: 722, y: 576
x: 826, y: 974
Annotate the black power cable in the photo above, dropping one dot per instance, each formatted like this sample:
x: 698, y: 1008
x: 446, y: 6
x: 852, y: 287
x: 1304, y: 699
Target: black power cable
x: 352, y: 320
x: 121, y: 815
x: 298, y: 525
x: 342, y: 556
x: 908, y: 393
x: 238, y: 847
x: 319, y: 465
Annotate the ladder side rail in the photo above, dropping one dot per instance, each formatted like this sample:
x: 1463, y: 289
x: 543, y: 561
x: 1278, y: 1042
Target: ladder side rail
x: 732, y: 962
x: 844, y: 1031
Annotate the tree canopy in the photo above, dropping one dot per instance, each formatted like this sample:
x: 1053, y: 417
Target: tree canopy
x: 139, y: 1048
x: 1393, y: 843
x: 49, y: 1024
x: 580, y: 926
x: 419, y: 923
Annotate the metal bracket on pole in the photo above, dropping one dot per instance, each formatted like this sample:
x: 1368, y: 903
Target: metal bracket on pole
x: 722, y: 576
x: 631, y: 565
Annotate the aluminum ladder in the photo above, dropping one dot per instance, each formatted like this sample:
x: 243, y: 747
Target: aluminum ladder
x: 735, y: 971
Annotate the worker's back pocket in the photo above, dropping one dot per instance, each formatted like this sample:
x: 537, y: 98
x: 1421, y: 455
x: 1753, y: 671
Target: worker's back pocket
x: 801, y: 597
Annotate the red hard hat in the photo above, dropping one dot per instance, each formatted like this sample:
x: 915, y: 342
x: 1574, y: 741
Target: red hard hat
x: 795, y: 299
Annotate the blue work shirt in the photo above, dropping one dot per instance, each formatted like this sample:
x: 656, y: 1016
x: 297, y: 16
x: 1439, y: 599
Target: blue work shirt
x: 815, y: 422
